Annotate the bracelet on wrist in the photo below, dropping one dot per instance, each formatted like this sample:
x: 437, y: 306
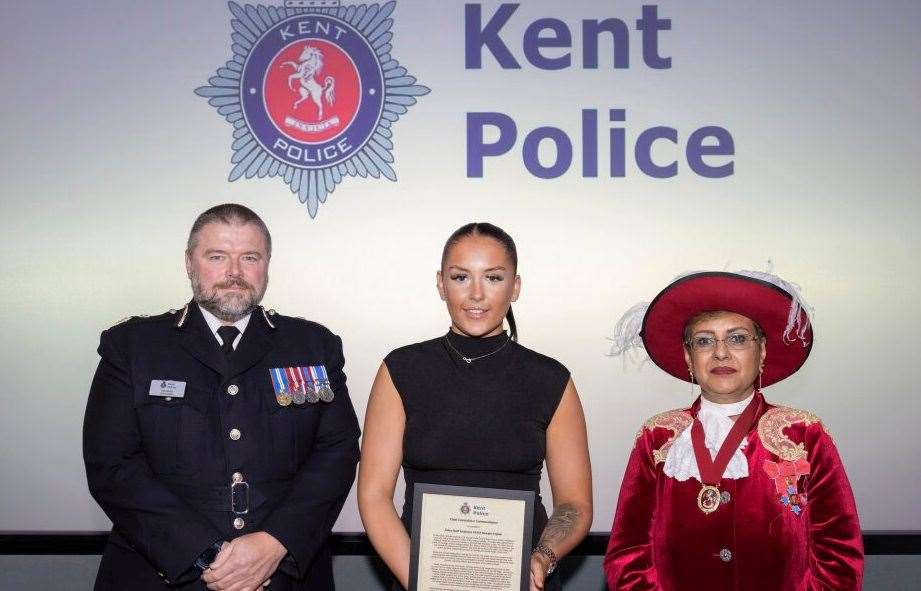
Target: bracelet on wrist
x: 546, y: 551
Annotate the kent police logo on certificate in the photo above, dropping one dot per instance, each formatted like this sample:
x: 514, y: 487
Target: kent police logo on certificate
x: 312, y: 92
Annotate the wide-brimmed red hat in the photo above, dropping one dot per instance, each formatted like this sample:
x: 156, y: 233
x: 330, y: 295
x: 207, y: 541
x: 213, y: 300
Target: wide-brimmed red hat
x: 769, y: 301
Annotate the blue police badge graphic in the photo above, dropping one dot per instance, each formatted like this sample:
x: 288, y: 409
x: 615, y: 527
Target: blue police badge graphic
x: 312, y: 92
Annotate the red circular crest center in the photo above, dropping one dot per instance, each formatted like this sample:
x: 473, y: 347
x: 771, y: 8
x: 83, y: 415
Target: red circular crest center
x: 312, y: 91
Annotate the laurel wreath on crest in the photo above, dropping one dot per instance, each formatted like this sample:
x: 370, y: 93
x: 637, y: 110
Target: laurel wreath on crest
x: 250, y: 159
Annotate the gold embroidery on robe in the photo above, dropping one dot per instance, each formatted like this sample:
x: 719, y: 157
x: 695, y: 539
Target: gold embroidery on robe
x: 675, y: 421
x: 771, y: 431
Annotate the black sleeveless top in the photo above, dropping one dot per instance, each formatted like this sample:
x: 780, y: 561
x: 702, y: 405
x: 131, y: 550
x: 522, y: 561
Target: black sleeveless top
x: 482, y: 423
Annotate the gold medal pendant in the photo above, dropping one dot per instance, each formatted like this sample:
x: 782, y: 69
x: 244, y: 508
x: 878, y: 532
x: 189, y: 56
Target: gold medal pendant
x: 712, y: 469
x: 283, y: 398
x: 708, y: 499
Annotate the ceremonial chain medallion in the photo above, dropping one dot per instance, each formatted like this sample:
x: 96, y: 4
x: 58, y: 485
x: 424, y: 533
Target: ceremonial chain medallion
x: 708, y: 499
x: 712, y: 469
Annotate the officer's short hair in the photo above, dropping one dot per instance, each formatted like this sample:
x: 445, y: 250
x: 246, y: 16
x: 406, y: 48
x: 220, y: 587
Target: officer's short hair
x: 228, y: 213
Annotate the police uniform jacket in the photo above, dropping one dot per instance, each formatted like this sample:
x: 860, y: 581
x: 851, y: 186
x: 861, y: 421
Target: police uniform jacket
x: 161, y: 467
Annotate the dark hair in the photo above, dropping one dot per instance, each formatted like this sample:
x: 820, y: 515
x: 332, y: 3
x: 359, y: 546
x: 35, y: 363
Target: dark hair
x: 500, y: 236
x: 228, y: 213
x: 710, y: 314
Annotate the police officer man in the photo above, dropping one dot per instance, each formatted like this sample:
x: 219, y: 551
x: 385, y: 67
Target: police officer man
x: 220, y: 438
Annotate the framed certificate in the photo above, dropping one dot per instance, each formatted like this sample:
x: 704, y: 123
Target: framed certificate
x: 470, y: 539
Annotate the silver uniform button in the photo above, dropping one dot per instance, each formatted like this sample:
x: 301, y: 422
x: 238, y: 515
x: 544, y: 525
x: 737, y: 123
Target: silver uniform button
x: 237, y: 477
x: 725, y: 555
x: 235, y: 434
x: 238, y: 523
x: 725, y: 497
x: 232, y: 389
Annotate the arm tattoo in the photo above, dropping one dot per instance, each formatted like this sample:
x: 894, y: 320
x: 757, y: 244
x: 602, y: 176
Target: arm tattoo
x: 561, y: 524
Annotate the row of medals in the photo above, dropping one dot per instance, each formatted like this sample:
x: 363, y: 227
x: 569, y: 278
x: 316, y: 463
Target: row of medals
x: 305, y: 392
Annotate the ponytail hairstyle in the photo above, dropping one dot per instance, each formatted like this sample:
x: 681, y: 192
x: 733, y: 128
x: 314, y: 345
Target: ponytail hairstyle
x: 500, y: 236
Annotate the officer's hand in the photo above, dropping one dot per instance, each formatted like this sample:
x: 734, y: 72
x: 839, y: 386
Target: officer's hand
x: 245, y: 564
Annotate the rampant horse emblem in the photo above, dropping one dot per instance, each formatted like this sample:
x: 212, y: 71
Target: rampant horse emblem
x: 312, y: 92
x: 306, y: 71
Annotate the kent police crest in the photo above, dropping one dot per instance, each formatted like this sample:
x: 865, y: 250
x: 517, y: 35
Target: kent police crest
x: 312, y: 92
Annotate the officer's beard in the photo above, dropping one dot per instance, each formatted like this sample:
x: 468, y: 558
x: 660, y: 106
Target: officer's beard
x: 229, y: 306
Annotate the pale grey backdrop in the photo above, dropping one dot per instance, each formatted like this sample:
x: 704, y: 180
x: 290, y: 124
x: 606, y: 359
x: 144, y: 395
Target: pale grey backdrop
x: 107, y: 156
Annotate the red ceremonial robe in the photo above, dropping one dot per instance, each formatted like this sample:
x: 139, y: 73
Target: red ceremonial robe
x: 791, y: 524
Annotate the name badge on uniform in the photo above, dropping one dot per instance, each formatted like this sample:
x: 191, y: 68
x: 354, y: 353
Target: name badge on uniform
x: 167, y: 388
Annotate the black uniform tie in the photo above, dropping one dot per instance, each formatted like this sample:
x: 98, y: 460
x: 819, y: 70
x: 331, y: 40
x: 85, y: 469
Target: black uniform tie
x: 228, y: 334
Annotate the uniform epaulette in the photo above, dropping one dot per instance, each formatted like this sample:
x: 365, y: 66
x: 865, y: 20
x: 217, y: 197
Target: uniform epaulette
x: 676, y: 421
x: 272, y: 316
x: 131, y: 318
x: 771, y: 427
x: 147, y: 317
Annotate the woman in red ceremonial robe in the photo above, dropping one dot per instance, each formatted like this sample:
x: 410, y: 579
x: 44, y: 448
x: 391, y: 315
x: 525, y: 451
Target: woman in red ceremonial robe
x: 733, y: 492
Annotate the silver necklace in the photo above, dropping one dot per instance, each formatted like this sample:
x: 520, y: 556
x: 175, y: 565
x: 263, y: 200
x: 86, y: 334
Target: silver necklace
x: 472, y: 359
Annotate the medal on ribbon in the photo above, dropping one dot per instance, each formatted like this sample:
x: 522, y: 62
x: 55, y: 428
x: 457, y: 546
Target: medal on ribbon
x: 711, y: 470
x: 310, y: 388
x: 281, y: 385
x: 325, y: 392
x: 297, y: 381
x: 321, y: 383
x: 785, y: 475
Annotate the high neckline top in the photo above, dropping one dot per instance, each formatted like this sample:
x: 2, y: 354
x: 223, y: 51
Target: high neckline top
x: 475, y: 424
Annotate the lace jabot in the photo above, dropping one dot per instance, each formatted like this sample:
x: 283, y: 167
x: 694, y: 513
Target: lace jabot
x: 681, y: 464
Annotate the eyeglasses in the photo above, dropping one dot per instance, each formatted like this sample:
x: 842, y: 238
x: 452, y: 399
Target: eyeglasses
x: 734, y: 342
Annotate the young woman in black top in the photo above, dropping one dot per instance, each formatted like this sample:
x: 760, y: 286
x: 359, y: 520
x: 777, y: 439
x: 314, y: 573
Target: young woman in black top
x: 475, y: 408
